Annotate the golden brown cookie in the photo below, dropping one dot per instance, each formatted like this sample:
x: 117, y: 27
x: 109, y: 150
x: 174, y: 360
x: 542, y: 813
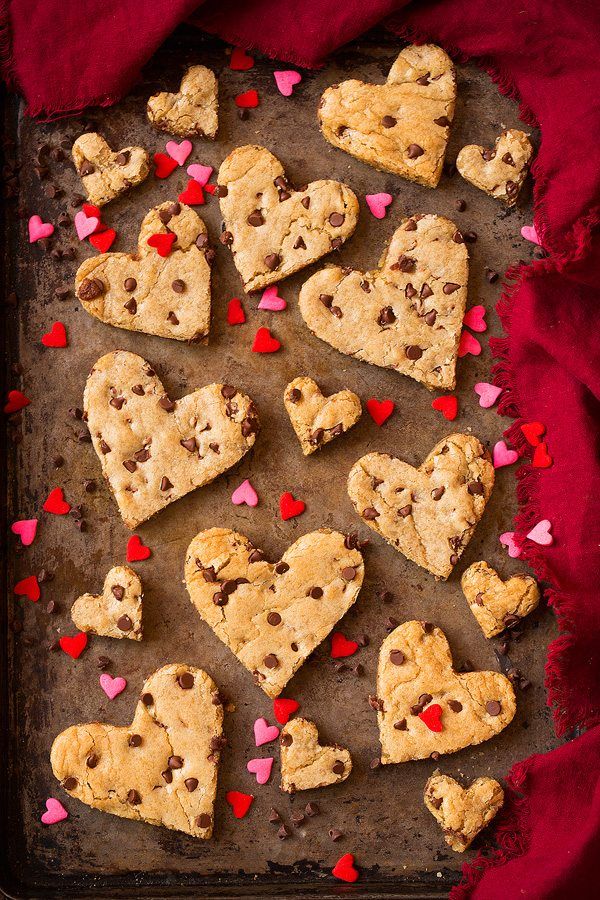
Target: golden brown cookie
x: 192, y: 110
x: 462, y: 812
x: 117, y: 611
x: 498, y: 604
x: 499, y: 172
x: 316, y: 419
x: 105, y: 173
x: 305, y: 763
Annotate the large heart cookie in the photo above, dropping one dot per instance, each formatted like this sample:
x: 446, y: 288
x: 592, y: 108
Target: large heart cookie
x: 106, y: 173
x: 272, y: 228
x: 401, y: 126
x: 164, y: 295
x: 428, y: 514
x: 272, y: 616
x: 407, y: 315
x: 154, y: 450
x: 462, y: 812
x: 162, y: 768
x: 305, y: 763
x: 424, y: 706
x: 499, y: 172
x: 317, y: 419
x: 498, y: 604
x: 117, y: 611
x: 192, y: 110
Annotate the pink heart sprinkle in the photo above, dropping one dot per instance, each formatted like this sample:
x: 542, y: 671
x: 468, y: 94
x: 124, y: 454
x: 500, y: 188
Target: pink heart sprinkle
x: 199, y: 173
x: 55, y: 812
x: 245, y: 493
x: 85, y: 225
x: 540, y: 533
x: 39, y: 229
x: 488, y: 393
x: 377, y: 203
x: 475, y: 318
x: 468, y: 344
x: 271, y: 301
x: 530, y: 234
x: 179, y: 152
x: 286, y: 80
x: 508, y: 540
x: 502, y: 456
x: 261, y: 768
x: 112, y: 687
x: 26, y: 529
x: 264, y: 733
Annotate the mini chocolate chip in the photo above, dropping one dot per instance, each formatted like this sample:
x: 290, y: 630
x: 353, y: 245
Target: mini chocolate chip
x: 336, y: 243
x: 104, y: 447
x: 375, y: 763
x: 326, y: 300
x: 203, y: 821
x: 457, y: 237
x: 299, y: 243
x: 315, y: 592
x: 438, y: 493
x: 92, y: 761
x: 166, y: 404
x: 507, y: 158
x: 175, y: 762
x: 130, y: 465
x: 221, y: 190
x: 430, y: 317
x: 335, y: 834
x: 87, y: 168
x: 413, y: 352
x: 191, y: 784
x: 147, y: 699
x: 274, y: 618
x: 294, y: 395
x: 338, y: 767
x: 118, y: 591
x: 165, y: 484
x: 134, y: 798
x: 370, y: 513
x: 450, y: 287
x: 413, y: 151
x: 185, y: 680
x: 337, y: 219
x: 271, y: 661
x: 488, y: 155
x: 305, y: 202
x: 167, y: 776
x: 434, y: 756
x: 131, y: 306
x: 493, y: 707
x: 90, y: 289
x: 311, y: 809
x: 490, y: 275
x: 348, y: 573
x: 135, y: 740
x: 272, y: 261
x: 255, y: 219
x: 405, y: 511
x: 124, y: 623
x: 274, y: 816
x: 178, y: 286
x: 442, y: 121
x: 281, y: 568
x: 317, y: 436
x: 388, y: 121
x: 189, y: 444
x: 455, y: 705
x: 122, y: 158
x: 70, y: 784
x: 475, y: 487
x: 286, y: 740
x: 397, y: 657
x: 387, y: 316
x: 401, y: 725
x: 284, y: 832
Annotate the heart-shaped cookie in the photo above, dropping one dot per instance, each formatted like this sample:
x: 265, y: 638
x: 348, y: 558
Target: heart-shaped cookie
x: 162, y: 768
x: 117, y: 611
x: 106, y: 173
x: 499, y: 172
x: 462, y: 812
x: 272, y: 228
x: 154, y: 450
x: 192, y: 110
x: 407, y: 314
x: 428, y: 514
x: 305, y: 763
x: 424, y: 706
x: 316, y: 419
x: 498, y: 604
x: 272, y: 616
x: 401, y: 126
x: 148, y: 291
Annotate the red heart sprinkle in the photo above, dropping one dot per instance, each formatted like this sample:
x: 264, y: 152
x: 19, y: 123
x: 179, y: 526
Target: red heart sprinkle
x: 534, y: 432
x: 211, y: 188
x: 56, y: 337
x: 28, y: 587
x: 289, y: 508
x: 541, y: 457
x: 136, y: 550
x: 16, y: 401
x: 380, y: 410
x: 248, y: 100
x: 240, y: 803
x: 264, y: 342
x: 448, y: 406
x: 235, y: 312
x: 92, y: 211
x: 344, y: 868
x: 341, y: 646
x: 103, y: 240
x: 240, y: 61
x: 162, y: 242
x: 56, y: 503
x: 432, y: 717
x: 164, y: 165
x: 193, y: 194
x: 283, y: 708
x: 74, y: 646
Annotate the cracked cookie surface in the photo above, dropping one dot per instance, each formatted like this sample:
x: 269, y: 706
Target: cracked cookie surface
x: 272, y: 616
x: 105, y: 173
x: 305, y: 763
x: 117, y: 611
x: 462, y: 812
x: 498, y: 604
x: 161, y: 769
x: 273, y: 229
x: 407, y: 314
x: 415, y: 679
x: 154, y: 450
x: 192, y: 110
x: 501, y: 171
x: 164, y: 295
x: 428, y: 514
x: 317, y: 419
x: 401, y: 126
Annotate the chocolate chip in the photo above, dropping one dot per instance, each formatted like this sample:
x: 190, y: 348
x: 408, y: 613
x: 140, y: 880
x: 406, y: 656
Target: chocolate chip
x: 70, y: 784
x: 178, y: 286
x: 405, y: 511
x: 135, y: 740
x: 147, y: 699
x: 186, y: 681
x: 124, y: 623
x: 284, y: 832
x: 130, y: 465
x: 305, y: 202
x: 271, y: 661
x: 511, y: 188
x: 475, y: 487
x: 311, y: 809
x: 317, y: 436
x: 255, y: 556
x: 338, y: 767
x: 134, y: 798
x: 167, y: 776
x: 430, y: 317
x: 122, y: 158
x: 175, y: 762
x: 488, y: 155
x: 336, y: 311
x: 87, y: 168
x: 337, y: 219
x: 370, y: 513
x: 165, y: 484
x: 348, y: 573
x: 166, y: 404
x: 375, y: 763
x: 274, y: 618
x: 118, y: 591
x: 255, y: 219
x: 413, y: 352
x: 436, y: 802
x: 203, y: 821
x: 104, y: 447
x: 457, y: 237
x: 316, y: 593
x: 294, y: 395
x: 388, y: 121
x: 221, y: 190
x: 455, y: 705
x: 376, y: 704
x: 397, y: 657
x: 286, y: 740
x: 335, y: 835
x: 274, y: 816
x: 507, y: 158
x: 103, y: 663
x: 299, y: 243
x: 491, y: 275
x: 92, y: 761
x: 386, y: 316
x: 401, y: 725
x: 281, y: 568
x: 450, y: 287
x: 442, y: 121
x: 272, y: 261
x: 90, y: 289
x: 131, y: 306
x: 297, y: 818
x: 493, y: 707
x: 191, y: 784
x: 413, y: 151
x: 438, y: 493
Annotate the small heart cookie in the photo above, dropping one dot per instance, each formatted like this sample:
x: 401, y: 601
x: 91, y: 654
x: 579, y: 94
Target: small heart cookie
x: 498, y: 604
x: 401, y: 126
x: 272, y: 616
x: 272, y: 228
x: 167, y: 295
x: 305, y: 764
x: 117, y: 611
x: 415, y: 675
x: 105, y: 173
x: 429, y: 514
x: 154, y: 450
x: 499, y: 172
x: 407, y: 314
x: 192, y: 110
x: 316, y: 419
x: 462, y: 812
x: 161, y: 769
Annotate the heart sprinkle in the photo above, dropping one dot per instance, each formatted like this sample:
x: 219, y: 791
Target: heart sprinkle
x: 540, y: 533
x: 247, y: 100
x: 136, y: 550
x: 264, y: 733
x: 74, y: 645
x: 163, y: 165
x: 283, y: 708
x: 341, y: 646
x: 508, y: 540
x: 468, y: 344
x: 534, y: 432
x: 15, y: 401
x: 235, y: 312
x: 85, y: 225
x: 26, y: 529
x: 38, y: 229
x: 530, y: 234
x: 245, y: 493
x: 541, y: 457
x: 285, y: 81
x: 432, y: 717
x: 264, y: 342
x: 162, y: 242
x: 378, y: 204
x: 55, y: 812
x: 240, y: 803
x: 380, y: 410
x: 475, y: 318
x: 271, y: 301
x: 199, y: 173
x: 487, y: 393
x: 193, y: 194
x: 56, y: 503
x: 28, y: 587
x: 261, y: 768
x: 290, y: 508
x: 345, y: 869
x: 112, y: 687
x: 502, y: 456
x: 104, y: 240
x: 179, y: 152
x: 56, y: 337
x: 448, y: 406
x: 240, y: 61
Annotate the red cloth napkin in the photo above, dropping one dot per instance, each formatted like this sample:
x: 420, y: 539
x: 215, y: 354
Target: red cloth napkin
x: 65, y: 54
